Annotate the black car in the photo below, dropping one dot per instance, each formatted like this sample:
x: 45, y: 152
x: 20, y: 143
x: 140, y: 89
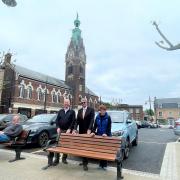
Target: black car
x: 43, y: 128
x: 7, y: 118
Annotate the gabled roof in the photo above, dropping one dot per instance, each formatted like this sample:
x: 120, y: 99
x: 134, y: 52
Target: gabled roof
x: 25, y: 72
x: 167, y: 100
x: 88, y: 91
x: 22, y: 71
x: 167, y: 103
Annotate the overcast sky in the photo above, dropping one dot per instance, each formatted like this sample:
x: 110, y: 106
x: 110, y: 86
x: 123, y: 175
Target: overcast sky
x: 123, y: 61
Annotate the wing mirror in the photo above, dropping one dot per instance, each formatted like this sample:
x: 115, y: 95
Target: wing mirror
x: 128, y: 121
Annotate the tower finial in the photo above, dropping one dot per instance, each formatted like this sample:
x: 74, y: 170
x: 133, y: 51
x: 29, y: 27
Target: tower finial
x: 77, y: 22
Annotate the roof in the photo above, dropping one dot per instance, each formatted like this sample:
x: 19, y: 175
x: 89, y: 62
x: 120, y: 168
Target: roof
x: 167, y: 103
x: 39, y: 76
x: 168, y: 100
x: 25, y: 72
x: 88, y: 91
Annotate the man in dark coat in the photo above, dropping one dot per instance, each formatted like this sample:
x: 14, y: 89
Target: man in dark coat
x: 85, y: 121
x: 65, y: 123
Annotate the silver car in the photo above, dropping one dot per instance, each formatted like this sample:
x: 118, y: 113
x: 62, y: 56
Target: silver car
x: 177, y: 127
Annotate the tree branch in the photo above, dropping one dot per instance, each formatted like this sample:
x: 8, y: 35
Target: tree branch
x: 172, y: 47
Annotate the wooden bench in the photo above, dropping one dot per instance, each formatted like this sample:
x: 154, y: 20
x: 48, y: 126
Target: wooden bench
x: 83, y: 145
x: 17, y: 144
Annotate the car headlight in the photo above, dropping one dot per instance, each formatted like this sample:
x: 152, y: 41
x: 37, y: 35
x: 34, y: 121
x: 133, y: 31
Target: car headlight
x: 117, y: 133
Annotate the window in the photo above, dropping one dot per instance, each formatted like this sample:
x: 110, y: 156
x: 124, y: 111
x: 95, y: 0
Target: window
x: 80, y: 97
x: 54, y: 97
x: 29, y: 92
x: 80, y: 87
x: 160, y: 105
x: 137, y: 110
x: 131, y: 110
x: 170, y: 113
x: 81, y: 69
x: 70, y: 69
x: 22, y: 91
x: 40, y: 95
x: 160, y: 113
x: 58, y: 97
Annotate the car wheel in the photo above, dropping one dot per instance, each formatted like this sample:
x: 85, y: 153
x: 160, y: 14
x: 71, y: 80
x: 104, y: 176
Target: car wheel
x: 135, y: 142
x: 43, y: 139
x: 127, y: 149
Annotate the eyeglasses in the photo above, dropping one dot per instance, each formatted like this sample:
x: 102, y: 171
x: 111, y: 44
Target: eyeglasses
x: 83, y: 102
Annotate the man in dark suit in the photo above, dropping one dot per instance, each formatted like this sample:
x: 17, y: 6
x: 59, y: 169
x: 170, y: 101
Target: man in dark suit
x: 85, y: 121
x: 65, y: 124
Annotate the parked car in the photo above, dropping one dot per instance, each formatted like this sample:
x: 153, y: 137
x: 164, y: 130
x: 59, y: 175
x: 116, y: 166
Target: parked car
x: 177, y: 127
x: 126, y: 128
x: 43, y: 128
x: 139, y: 124
x: 145, y: 124
x: 7, y: 118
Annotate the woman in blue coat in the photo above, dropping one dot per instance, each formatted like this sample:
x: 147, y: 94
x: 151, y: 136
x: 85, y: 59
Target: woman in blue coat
x: 102, y: 127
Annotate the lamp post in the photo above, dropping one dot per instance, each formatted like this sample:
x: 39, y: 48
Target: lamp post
x: 45, y: 95
x: 10, y: 3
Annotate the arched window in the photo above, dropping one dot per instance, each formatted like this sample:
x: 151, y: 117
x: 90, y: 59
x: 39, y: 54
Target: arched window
x: 70, y: 69
x: 40, y: 95
x: 22, y: 91
x: 80, y: 97
x: 29, y: 92
x: 54, y: 97
x: 58, y: 97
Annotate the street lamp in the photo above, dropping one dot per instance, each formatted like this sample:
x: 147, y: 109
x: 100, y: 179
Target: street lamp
x: 10, y: 3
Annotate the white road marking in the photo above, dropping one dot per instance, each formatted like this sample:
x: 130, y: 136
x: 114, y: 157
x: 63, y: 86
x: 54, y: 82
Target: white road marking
x: 148, y: 142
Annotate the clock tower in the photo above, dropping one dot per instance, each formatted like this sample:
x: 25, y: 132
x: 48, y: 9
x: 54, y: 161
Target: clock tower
x: 76, y: 64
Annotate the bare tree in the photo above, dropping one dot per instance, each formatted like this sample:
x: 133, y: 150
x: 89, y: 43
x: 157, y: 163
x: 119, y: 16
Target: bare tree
x: 171, y: 46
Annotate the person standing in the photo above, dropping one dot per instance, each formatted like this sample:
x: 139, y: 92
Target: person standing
x: 102, y: 127
x: 65, y: 123
x: 85, y: 121
x: 12, y: 130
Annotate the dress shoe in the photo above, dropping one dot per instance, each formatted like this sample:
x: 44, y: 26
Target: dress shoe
x: 80, y: 164
x: 64, y: 161
x: 55, y: 163
x: 85, y: 167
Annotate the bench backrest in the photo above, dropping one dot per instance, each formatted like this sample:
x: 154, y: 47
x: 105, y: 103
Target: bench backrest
x: 23, y: 137
x: 98, y: 144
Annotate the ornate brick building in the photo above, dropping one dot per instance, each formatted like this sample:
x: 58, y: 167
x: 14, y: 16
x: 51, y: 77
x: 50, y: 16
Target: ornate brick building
x: 25, y: 91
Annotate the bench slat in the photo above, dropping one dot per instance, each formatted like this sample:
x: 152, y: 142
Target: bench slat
x: 94, y: 149
x: 84, y: 153
x: 87, y: 135
x: 95, y: 138
x: 90, y: 139
x: 87, y: 145
x: 90, y: 142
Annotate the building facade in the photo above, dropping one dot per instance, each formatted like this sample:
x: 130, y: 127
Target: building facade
x: 28, y: 92
x: 135, y: 110
x: 167, y: 109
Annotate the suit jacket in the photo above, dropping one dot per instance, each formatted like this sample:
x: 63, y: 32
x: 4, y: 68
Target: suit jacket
x: 66, y: 120
x: 86, y: 123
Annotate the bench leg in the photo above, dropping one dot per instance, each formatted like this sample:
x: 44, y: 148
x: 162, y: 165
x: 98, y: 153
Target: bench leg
x: 50, y: 160
x: 119, y: 170
x: 18, y: 155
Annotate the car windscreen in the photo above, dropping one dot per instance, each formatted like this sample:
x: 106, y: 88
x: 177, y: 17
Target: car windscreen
x: 116, y: 117
x: 42, y: 118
